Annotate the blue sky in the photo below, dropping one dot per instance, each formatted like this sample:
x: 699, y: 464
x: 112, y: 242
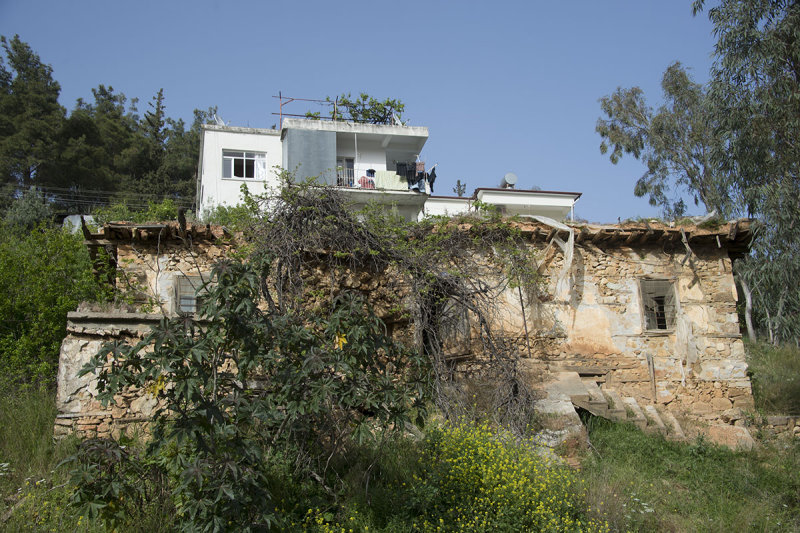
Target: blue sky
x: 502, y: 86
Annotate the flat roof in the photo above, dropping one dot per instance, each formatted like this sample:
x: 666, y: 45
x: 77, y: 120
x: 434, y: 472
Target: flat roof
x: 576, y: 195
x: 340, y: 126
x: 240, y: 129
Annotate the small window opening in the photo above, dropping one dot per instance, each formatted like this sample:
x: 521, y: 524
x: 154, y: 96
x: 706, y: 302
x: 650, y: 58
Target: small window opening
x: 188, y: 294
x: 658, y: 301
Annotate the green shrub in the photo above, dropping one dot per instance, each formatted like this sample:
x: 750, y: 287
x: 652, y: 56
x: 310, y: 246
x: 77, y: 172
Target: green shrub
x: 33, y: 495
x: 234, y: 390
x: 775, y: 375
x: 44, y: 274
x: 478, y: 480
x: 155, y: 212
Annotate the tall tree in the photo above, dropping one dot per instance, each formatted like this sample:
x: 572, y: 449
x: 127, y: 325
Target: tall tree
x: 99, y: 149
x: 675, y: 142
x: 182, y: 152
x: 755, y: 91
x: 30, y: 115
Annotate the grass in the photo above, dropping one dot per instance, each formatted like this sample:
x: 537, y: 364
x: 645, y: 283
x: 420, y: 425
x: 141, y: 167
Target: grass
x: 630, y: 480
x: 775, y: 375
x: 33, y: 492
x: 642, y: 482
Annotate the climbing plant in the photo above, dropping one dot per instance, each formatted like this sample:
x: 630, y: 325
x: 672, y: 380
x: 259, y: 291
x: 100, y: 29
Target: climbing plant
x: 333, y: 331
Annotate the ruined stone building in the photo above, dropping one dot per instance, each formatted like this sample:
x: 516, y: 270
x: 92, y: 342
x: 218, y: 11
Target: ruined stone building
x: 635, y: 321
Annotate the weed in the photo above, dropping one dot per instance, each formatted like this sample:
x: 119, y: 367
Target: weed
x: 642, y: 482
x: 775, y: 375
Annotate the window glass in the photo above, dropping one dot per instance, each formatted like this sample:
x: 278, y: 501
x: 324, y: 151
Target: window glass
x: 244, y: 165
x: 188, y: 295
x: 238, y: 168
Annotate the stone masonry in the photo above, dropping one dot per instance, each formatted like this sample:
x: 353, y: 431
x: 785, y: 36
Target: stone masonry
x: 676, y: 346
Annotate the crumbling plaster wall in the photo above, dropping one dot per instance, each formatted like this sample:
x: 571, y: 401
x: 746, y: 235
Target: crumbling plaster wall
x: 147, y: 272
x: 598, y: 326
x: 150, y: 269
x: 592, y: 322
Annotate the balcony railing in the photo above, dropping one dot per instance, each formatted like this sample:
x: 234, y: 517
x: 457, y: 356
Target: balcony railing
x: 383, y: 180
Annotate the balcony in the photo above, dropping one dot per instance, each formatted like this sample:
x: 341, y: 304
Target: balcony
x: 383, y: 180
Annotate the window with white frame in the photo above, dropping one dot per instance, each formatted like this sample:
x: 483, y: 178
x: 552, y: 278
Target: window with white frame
x: 189, y: 293
x: 244, y: 165
x: 659, y: 304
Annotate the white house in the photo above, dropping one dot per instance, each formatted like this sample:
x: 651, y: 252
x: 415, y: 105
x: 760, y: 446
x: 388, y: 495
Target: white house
x: 371, y: 162
x: 232, y: 156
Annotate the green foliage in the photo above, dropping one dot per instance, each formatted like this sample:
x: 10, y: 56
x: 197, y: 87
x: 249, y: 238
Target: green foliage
x: 479, y: 480
x: 27, y: 212
x: 675, y: 142
x: 460, y: 188
x: 35, y: 491
x: 113, y: 485
x: 102, y: 150
x: 243, y: 383
x: 238, y: 217
x: 155, y: 212
x: 44, y: 274
x: 31, y: 116
x: 775, y: 375
x: 32, y: 492
x: 365, y: 108
x: 755, y: 91
x: 642, y: 482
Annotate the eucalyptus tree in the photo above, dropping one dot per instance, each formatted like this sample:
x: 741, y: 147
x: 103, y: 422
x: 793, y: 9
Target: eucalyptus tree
x: 674, y: 141
x: 755, y: 96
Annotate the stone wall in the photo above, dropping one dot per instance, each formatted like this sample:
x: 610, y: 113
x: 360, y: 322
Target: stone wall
x: 79, y: 410
x: 598, y: 327
x: 587, y: 316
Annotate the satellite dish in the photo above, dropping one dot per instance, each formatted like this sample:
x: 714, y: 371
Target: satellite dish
x: 508, y: 181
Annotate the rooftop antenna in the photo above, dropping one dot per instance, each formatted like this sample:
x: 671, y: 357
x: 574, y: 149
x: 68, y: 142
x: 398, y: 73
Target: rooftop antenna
x: 508, y: 181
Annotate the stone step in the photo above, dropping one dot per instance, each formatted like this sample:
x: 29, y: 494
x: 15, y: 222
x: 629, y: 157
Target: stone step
x: 595, y: 394
x: 616, y: 409
x: 556, y: 412
x: 597, y: 403
x: 674, y: 429
x: 634, y: 412
x: 654, y: 419
x: 567, y: 385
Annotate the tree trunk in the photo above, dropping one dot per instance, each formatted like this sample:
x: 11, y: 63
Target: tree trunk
x: 748, y: 308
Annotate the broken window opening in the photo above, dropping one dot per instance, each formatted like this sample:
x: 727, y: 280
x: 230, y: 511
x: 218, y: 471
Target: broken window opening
x: 658, y: 304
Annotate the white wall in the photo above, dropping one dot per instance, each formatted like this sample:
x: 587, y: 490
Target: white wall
x: 370, y: 153
x: 445, y: 206
x: 216, y: 190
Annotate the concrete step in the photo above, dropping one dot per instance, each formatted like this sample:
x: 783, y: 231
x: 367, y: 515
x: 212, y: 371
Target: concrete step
x: 595, y: 394
x: 616, y: 409
x: 634, y: 412
x: 597, y: 403
x: 567, y: 385
x: 557, y: 416
x: 654, y: 419
x: 674, y: 429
